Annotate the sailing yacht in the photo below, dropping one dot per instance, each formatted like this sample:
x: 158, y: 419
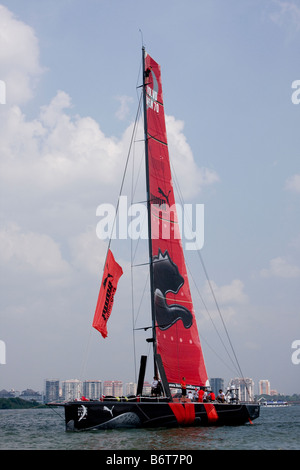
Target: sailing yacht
x: 177, y: 350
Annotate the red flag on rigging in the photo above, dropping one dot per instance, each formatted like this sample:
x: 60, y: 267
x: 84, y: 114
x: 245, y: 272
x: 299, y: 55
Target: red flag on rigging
x: 111, y: 275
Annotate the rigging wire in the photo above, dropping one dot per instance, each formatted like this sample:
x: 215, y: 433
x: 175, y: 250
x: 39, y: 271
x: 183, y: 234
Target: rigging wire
x: 85, y: 356
x: 131, y: 241
x: 214, y: 297
x: 84, y: 362
x: 125, y: 170
x: 132, y: 319
x: 211, y: 319
x: 203, y: 340
x: 136, y: 312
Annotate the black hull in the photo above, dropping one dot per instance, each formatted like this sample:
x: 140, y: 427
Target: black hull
x: 88, y: 415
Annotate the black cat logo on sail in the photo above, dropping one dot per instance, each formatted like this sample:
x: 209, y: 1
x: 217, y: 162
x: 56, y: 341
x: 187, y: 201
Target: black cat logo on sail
x: 168, y: 279
x: 162, y: 200
x: 166, y: 196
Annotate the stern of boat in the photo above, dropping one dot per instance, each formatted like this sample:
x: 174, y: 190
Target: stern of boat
x: 253, y: 410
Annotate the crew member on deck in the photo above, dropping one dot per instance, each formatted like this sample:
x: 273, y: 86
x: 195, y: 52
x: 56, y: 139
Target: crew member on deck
x: 200, y: 394
x: 221, y: 396
x: 156, y: 387
x: 205, y: 394
x: 183, y: 389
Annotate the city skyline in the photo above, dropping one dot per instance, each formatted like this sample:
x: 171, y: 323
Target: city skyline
x: 214, y: 385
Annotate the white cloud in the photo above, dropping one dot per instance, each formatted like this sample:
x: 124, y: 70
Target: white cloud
x: 231, y: 299
x: 293, y: 183
x: 19, y: 58
x: 124, y: 108
x: 58, y: 151
x: 88, y: 252
x: 228, y: 294
x: 280, y: 267
x: 288, y: 13
x: 192, y: 178
x: 31, y: 252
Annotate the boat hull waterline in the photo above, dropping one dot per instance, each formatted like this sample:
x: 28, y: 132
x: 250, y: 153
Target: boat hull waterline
x: 82, y: 415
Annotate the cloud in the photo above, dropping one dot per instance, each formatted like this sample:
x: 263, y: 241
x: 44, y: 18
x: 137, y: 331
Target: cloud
x: 124, y: 108
x: 62, y: 153
x: 19, y: 58
x: 280, y: 267
x: 26, y: 252
x: 287, y: 15
x: 293, y: 183
x: 56, y: 150
x: 231, y: 308
x: 229, y: 298
x: 88, y: 252
x: 228, y: 294
x: 192, y: 178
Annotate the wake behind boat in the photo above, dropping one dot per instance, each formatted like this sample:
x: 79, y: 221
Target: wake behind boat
x: 177, y: 350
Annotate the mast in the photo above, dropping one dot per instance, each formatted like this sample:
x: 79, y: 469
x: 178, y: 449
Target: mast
x: 149, y: 214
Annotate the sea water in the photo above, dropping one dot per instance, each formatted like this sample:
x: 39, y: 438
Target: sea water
x: 44, y: 429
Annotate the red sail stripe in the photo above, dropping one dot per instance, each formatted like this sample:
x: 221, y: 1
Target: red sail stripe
x: 184, y: 413
x: 212, y: 414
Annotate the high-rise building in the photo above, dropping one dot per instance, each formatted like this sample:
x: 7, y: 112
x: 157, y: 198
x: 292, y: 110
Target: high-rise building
x: 146, y: 388
x: 245, y: 388
x: 92, y: 389
x: 108, y: 389
x: 216, y: 384
x: 264, y: 387
x: 113, y: 388
x: 51, y: 390
x: 71, y: 389
x: 131, y: 388
x: 118, y: 388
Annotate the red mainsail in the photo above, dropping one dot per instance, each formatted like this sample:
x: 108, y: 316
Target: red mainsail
x: 176, y: 329
x: 111, y: 275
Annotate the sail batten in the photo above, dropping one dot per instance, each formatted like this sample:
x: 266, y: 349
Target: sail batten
x: 177, y: 338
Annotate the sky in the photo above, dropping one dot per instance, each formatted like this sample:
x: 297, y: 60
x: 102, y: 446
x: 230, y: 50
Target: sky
x: 69, y: 74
